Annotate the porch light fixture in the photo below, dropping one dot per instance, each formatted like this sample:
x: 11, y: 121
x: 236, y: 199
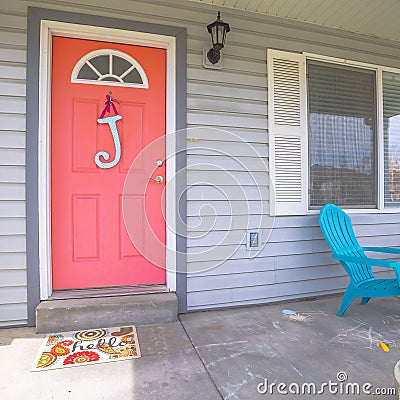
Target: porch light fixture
x: 218, y: 30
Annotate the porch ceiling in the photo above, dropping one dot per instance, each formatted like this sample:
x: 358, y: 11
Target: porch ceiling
x: 368, y: 17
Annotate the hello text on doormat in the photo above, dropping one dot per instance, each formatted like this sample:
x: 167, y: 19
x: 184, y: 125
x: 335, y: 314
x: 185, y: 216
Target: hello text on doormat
x: 94, y: 346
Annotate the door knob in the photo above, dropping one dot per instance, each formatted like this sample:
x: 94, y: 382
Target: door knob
x: 158, y: 179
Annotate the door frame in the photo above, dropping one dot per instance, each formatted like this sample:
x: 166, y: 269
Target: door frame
x: 48, y: 29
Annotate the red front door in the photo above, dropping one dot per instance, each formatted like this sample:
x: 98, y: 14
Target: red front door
x: 90, y: 245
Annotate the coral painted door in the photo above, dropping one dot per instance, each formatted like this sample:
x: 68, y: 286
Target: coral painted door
x: 90, y: 244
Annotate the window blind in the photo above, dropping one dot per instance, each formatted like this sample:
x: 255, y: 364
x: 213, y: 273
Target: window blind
x: 391, y: 137
x: 342, y: 136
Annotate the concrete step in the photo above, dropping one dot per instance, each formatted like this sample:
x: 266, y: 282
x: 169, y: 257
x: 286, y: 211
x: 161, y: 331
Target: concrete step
x: 87, y: 313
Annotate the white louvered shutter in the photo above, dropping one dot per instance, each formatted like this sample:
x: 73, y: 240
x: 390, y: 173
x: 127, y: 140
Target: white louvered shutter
x: 287, y: 125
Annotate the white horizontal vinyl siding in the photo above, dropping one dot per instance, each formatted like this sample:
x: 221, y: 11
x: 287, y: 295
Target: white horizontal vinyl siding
x: 296, y: 261
x: 13, y: 284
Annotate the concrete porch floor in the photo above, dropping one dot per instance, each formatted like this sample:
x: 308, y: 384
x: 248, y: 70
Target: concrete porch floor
x: 225, y: 354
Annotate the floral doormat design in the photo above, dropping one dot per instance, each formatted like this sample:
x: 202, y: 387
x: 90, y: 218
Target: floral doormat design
x: 94, y: 346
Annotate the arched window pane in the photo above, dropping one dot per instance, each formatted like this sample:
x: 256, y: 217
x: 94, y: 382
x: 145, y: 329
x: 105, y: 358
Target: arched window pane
x: 120, y: 65
x: 87, y: 73
x: 101, y: 63
x: 133, y: 77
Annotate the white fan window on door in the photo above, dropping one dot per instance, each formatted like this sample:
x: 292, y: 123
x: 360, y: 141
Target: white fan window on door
x: 109, y: 67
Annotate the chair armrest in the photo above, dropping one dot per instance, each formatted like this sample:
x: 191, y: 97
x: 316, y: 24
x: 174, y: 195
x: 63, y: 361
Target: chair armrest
x: 383, y: 249
x: 368, y: 261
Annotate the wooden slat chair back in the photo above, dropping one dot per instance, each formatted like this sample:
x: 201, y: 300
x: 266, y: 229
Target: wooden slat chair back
x: 338, y: 232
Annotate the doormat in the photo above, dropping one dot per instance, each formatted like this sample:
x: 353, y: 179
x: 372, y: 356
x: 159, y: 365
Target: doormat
x: 93, y: 346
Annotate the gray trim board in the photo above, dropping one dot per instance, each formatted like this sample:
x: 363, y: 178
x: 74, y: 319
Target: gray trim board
x: 35, y: 15
x: 32, y: 202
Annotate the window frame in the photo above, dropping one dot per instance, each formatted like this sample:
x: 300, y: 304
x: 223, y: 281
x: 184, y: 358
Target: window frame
x: 378, y: 69
x: 109, y: 52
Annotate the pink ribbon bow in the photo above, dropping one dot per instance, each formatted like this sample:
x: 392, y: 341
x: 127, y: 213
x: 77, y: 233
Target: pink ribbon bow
x: 109, y: 103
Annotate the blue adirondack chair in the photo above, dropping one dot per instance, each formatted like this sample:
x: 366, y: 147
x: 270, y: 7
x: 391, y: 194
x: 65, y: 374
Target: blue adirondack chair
x: 338, y: 232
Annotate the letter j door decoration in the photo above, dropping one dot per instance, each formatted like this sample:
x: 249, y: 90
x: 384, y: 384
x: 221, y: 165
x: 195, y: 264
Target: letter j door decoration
x: 92, y: 150
x: 112, y: 122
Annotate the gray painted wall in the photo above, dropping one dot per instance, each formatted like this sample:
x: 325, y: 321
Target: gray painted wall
x: 296, y: 261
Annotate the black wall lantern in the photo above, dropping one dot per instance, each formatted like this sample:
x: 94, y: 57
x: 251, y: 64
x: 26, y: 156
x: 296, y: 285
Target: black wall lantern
x: 218, y: 30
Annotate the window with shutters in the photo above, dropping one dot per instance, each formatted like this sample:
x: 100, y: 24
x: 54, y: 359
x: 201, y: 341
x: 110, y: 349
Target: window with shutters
x: 334, y: 134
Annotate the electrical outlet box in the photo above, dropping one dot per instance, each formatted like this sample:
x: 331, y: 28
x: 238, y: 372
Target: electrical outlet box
x: 253, y: 239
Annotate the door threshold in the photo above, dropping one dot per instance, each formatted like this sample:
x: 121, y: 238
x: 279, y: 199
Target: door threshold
x: 107, y: 292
